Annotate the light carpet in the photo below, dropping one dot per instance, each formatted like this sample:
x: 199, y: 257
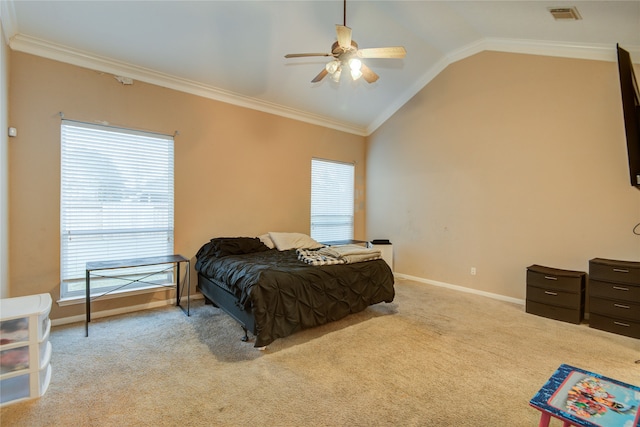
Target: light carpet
x: 433, y: 357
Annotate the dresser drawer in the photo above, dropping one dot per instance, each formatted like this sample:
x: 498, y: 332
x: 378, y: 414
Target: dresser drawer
x: 615, y: 271
x: 617, y: 326
x: 555, y: 297
x: 553, y: 278
x: 615, y: 309
x: 618, y: 291
x: 554, y: 312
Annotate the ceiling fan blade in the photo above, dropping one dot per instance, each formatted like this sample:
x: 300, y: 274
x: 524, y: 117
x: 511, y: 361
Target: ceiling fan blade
x: 320, y: 76
x: 302, y: 55
x: 368, y: 75
x: 382, y: 52
x: 344, y: 36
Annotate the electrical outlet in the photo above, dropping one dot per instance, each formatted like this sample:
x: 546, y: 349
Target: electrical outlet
x: 473, y: 271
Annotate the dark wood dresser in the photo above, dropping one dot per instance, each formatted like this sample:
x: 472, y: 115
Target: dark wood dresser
x: 614, y: 296
x: 554, y: 293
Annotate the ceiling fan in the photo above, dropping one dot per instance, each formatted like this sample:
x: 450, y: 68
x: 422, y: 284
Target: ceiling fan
x: 346, y: 54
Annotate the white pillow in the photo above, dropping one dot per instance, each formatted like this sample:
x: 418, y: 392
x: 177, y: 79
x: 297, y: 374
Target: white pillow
x: 286, y: 241
x: 264, y: 238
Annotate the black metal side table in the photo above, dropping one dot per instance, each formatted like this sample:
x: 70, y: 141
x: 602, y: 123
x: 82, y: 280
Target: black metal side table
x: 138, y: 262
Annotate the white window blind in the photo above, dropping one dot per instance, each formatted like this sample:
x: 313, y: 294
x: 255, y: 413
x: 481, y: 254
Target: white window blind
x: 116, y: 200
x: 332, y: 200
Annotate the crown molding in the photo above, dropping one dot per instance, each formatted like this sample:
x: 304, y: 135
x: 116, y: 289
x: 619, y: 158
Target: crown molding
x: 43, y: 48
x: 545, y: 48
x: 595, y: 52
x: 46, y: 49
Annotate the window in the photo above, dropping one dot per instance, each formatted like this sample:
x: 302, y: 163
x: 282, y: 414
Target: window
x: 332, y: 199
x: 116, y: 202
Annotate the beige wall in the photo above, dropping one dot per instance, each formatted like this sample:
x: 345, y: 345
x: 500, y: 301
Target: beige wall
x: 504, y: 161
x: 237, y: 171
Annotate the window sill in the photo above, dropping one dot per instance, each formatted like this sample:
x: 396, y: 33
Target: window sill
x: 120, y: 293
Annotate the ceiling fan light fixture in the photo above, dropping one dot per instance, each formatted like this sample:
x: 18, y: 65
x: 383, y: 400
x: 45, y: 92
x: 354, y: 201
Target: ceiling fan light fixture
x: 332, y: 66
x: 355, y: 65
x: 335, y: 76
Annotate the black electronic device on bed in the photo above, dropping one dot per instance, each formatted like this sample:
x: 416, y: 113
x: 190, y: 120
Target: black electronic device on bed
x: 273, y: 294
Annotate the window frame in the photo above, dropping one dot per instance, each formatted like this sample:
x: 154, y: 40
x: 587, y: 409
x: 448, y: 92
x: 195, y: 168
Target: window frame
x: 142, y: 208
x: 332, y: 204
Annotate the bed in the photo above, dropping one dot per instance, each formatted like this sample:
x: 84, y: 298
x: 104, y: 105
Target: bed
x: 272, y: 291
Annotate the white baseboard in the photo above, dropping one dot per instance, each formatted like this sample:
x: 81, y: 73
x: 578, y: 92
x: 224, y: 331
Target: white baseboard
x: 121, y: 310
x: 460, y: 288
x: 172, y: 301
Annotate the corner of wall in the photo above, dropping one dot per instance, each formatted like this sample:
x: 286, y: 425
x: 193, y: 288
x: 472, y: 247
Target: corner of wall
x: 4, y: 165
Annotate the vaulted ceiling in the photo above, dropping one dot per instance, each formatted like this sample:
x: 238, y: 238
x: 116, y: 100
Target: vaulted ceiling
x: 233, y: 51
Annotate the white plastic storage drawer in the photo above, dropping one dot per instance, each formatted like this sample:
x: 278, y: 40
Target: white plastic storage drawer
x: 15, y: 388
x: 25, y: 350
x: 14, y: 330
x: 22, y: 308
x: 14, y: 359
x: 24, y: 357
x: 25, y: 386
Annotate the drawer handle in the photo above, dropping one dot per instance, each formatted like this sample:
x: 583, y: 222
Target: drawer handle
x: 622, y: 324
x: 550, y: 278
x: 620, y: 270
x: 621, y: 306
x: 551, y: 293
x: 620, y: 288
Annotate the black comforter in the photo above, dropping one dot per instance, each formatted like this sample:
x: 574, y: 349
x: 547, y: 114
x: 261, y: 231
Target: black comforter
x: 287, y: 295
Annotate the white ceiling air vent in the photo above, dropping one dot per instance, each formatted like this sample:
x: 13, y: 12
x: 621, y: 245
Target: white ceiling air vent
x: 565, y: 13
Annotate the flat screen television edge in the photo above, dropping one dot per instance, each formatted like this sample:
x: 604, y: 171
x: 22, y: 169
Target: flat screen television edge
x: 631, y: 111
